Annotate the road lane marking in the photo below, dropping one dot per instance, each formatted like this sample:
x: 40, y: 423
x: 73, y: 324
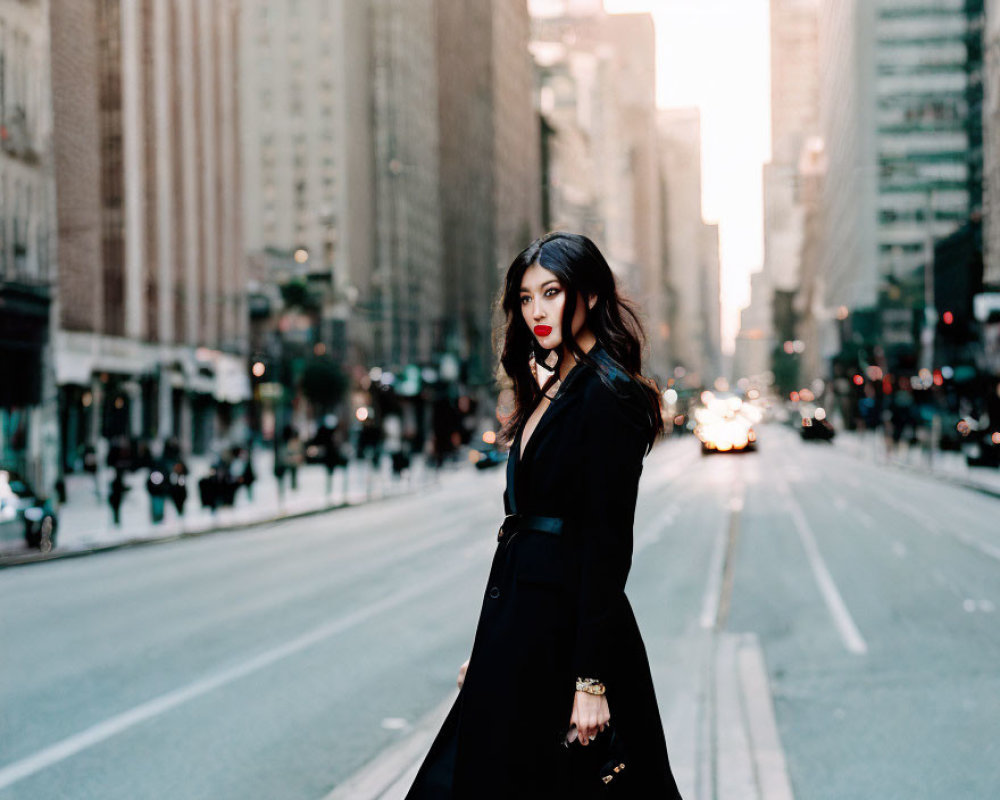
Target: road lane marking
x: 718, y: 590
x: 710, y: 601
x: 102, y: 731
x: 842, y: 619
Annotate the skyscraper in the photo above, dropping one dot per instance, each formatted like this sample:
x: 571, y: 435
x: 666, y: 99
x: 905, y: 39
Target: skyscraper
x: 597, y: 90
x: 151, y: 268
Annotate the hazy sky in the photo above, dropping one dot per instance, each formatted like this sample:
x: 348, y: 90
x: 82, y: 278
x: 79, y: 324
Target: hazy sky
x: 714, y: 54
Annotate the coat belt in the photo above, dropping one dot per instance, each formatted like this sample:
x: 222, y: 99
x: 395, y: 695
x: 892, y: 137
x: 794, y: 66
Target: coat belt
x: 530, y: 522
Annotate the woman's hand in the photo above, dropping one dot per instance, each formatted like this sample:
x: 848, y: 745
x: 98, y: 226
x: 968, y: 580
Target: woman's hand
x: 590, y: 715
x: 461, y: 673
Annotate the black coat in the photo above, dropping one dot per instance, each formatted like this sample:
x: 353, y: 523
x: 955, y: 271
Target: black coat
x: 555, y: 609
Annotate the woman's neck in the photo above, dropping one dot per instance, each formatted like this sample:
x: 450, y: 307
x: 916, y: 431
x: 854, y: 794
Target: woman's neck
x: 585, y: 341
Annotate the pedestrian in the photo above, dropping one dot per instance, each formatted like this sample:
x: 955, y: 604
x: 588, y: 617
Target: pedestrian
x: 158, y: 488
x: 247, y: 475
x: 293, y: 455
x: 209, y: 488
x: 280, y: 466
x: 556, y: 700
x: 116, y: 493
x: 326, y: 437
x: 178, y: 485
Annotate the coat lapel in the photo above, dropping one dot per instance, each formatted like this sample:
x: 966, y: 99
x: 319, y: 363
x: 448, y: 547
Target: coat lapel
x: 562, y: 400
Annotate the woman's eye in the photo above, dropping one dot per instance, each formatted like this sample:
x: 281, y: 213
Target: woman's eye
x: 554, y: 290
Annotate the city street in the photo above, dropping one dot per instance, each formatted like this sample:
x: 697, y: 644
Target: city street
x: 855, y: 603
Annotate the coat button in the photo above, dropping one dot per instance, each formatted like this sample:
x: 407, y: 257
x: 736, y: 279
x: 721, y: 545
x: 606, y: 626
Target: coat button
x: 494, y: 592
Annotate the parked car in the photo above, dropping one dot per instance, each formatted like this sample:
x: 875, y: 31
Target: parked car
x: 24, y: 514
x: 815, y: 426
x: 485, y: 455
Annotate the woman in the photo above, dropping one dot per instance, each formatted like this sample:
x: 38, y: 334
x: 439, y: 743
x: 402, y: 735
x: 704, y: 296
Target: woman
x: 557, y: 656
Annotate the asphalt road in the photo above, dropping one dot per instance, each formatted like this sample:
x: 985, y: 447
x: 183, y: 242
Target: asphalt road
x: 277, y: 662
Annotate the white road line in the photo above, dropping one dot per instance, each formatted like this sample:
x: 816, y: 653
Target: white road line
x: 716, y: 564
x: 19, y: 770
x: 842, y: 619
x: 710, y: 600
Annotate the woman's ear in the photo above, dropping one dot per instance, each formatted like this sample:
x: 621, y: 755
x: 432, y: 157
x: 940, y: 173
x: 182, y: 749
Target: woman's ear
x: 591, y: 301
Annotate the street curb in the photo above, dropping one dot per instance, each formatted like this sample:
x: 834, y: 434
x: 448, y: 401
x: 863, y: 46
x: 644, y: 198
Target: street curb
x: 229, y: 527
x: 747, y: 758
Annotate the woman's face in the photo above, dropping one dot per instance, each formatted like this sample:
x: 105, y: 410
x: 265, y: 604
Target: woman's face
x: 542, y: 300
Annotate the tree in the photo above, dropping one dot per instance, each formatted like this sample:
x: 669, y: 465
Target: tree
x: 323, y: 383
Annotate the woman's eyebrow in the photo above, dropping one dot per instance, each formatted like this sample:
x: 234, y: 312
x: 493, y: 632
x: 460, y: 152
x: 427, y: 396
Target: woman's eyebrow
x: 551, y: 280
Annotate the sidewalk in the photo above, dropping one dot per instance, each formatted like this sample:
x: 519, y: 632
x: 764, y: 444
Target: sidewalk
x: 85, y: 524
x: 944, y: 465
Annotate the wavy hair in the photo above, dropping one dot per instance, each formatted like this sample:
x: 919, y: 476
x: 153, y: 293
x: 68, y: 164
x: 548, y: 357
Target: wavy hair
x: 581, y: 268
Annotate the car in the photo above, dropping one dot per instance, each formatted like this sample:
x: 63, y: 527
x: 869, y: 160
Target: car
x: 24, y: 514
x: 725, y: 424
x: 485, y: 456
x: 815, y: 426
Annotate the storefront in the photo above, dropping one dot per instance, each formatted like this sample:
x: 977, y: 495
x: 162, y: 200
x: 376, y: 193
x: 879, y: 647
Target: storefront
x: 24, y: 336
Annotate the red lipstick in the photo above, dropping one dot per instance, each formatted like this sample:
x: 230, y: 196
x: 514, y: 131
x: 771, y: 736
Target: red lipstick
x: 543, y: 330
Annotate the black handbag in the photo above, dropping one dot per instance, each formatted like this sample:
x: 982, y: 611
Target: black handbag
x: 604, y: 760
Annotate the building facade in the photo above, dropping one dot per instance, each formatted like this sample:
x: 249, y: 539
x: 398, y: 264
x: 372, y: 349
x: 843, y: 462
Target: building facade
x: 305, y: 107
x: 28, y: 408
x: 596, y: 83
x: 151, y: 269
x: 794, y: 142
x: 404, y: 290
x: 901, y: 155
x: 691, y: 251
x: 849, y: 266
x: 490, y: 168
x: 991, y: 143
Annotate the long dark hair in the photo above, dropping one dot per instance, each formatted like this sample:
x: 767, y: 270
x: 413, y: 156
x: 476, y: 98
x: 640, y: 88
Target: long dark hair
x: 581, y: 268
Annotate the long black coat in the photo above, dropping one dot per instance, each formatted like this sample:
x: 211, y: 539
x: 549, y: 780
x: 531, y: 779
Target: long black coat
x: 555, y: 609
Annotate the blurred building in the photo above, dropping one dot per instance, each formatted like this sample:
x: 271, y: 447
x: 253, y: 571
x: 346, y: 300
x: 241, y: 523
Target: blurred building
x: 795, y: 147
x: 28, y: 408
x: 755, y: 340
x: 151, y: 267
x: 896, y: 122
x: 847, y: 123
x: 490, y: 167
x: 597, y: 94
x: 991, y: 143
x: 691, y: 252
x: 305, y: 108
x: 404, y: 292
